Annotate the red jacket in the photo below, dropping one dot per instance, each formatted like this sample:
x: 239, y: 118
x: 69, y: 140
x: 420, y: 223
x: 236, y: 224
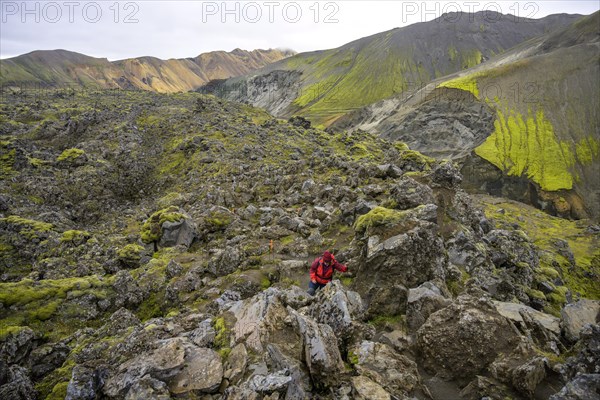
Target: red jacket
x: 323, y: 274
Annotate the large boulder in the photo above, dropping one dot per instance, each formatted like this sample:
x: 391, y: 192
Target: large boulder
x: 339, y: 308
x: 482, y: 387
x: 366, y: 389
x: 408, y: 193
x: 85, y: 383
x: 300, y: 385
x: 515, y: 312
x: 264, y: 319
x: 379, y: 362
x: 542, y: 328
x: 177, y: 362
x: 513, y: 252
x: 18, y: 345
x: 19, y: 386
x: 47, y: 358
x: 583, y: 387
x: 266, y: 384
x: 526, y: 377
x: 321, y: 352
x: 422, y: 302
x: 226, y: 261
x: 461, y: 340
x: 236, y: 364
x: 576, y: 315
x: 148, y: 388
x: 178, y: 233
x: 587, y: 354
x: 402, y: 250
x: 202, y: 371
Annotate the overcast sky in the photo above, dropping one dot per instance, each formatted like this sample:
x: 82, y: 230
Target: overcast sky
x: 178, y: 29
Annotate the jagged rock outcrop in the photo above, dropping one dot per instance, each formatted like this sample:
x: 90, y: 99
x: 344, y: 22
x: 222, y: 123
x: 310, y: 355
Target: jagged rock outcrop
x: 582, y: 387
x: 463, y: 339
x: 321, y: 352
x: 177, y: 362
x: 366, y: 389
x: 339, y: 308
x: 575, y: 316
x: 394, y: 372
x: 422, y: 302
x: 17, y: 385
x: 400, y: 255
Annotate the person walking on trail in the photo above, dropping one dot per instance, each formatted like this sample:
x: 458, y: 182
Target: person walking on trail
x: 321, y: 271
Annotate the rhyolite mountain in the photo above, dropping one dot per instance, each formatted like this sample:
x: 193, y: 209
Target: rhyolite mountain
x: 61, y: 68
x: 525, y: 124
x: 324, y: 85
x: 157, y: 246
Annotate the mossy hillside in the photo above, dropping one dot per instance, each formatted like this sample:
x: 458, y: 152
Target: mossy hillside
x: 467, y: 82
x: 189, y: 152
x: 546, y: 231
x: 339, y: 80
x: 166, y: 147
x: 545, y: 95
x: 528, y: 145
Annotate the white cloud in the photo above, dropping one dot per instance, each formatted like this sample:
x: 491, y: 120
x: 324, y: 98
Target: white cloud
x: 177, y: 29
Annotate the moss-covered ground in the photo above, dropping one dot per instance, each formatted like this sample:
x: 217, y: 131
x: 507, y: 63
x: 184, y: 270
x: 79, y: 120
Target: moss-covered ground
x: 557, y: 239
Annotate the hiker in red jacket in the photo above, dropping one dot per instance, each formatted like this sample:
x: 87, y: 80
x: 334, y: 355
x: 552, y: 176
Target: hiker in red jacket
x: 321, y: 271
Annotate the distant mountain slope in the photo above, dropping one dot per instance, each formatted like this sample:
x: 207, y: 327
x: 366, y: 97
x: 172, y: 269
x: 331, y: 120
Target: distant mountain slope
x: 532, y: 113
x: 61, y: 67
x: 324, y: 85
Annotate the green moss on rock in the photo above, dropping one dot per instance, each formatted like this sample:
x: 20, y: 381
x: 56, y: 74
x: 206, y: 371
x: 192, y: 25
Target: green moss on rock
x: 218, y: 220
x: 54, y: 385
x: 587, y: 150
x: 6, y: 331
x: 221, y: 338
x: 59, y: 392
x: 75, y: 236
x: 418, y: 159
x: 131, y: 253
x: 28, y: 227
x: 528, y: 146
x: 535, y: 294
x: 544, y: 230
x: 70, y: 155
x: 377, y: 217
x: 152, y: 229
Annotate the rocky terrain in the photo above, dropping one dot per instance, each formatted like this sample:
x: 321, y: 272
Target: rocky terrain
x: 157, y: 246
x: 513, y: 101
x: 67, y: 69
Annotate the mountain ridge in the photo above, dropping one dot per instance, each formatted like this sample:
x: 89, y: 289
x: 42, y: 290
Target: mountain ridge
x: 64, y: 67
x: 335, y: 81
